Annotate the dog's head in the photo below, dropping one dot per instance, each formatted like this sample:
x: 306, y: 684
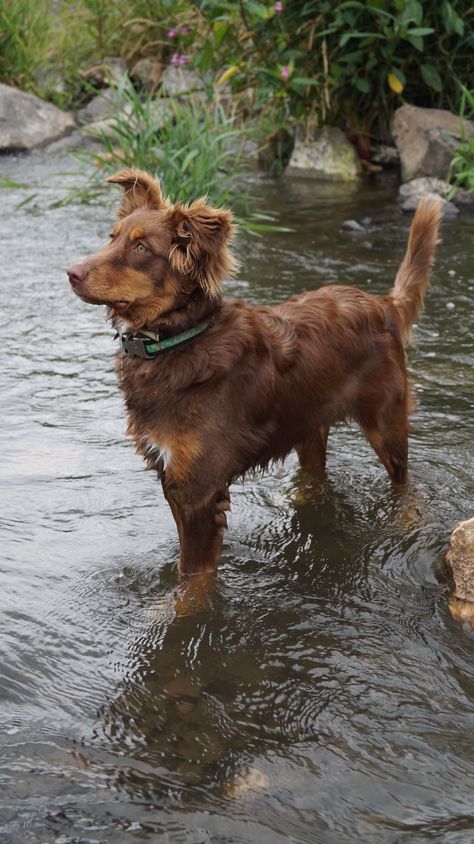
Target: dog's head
x: 159, y: 254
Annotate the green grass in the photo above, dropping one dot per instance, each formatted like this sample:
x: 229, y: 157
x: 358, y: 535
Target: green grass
x: 24, y: 41
x: 462, y: 165
x: 195, y: 148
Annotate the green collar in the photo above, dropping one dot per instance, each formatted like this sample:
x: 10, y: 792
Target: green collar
x: 147, y: 344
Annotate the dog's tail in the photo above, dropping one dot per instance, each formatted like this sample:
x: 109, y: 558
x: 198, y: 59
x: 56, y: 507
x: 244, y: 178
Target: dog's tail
x: 412, y: 278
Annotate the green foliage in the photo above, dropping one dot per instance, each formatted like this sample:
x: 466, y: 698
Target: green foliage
x: 42, y: 44
x: 462, y: 166
x: 25, y: 28
x: 348, y: 61
x: 194, y: 149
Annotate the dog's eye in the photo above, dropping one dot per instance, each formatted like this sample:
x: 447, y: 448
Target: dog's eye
x: 140, y: 247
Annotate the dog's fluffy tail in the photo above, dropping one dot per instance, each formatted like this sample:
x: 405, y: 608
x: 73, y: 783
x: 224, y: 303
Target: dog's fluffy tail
x: 412, y: 278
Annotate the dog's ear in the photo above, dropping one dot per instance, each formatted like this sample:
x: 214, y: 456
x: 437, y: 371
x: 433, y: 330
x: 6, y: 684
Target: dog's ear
x: 199, y: 244
x: 140, y: 191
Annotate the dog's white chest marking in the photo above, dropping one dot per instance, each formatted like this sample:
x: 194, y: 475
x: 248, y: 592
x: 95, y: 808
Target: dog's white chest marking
x: 153, y: 449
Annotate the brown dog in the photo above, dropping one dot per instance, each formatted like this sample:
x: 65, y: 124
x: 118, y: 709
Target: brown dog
x: 214, y: 387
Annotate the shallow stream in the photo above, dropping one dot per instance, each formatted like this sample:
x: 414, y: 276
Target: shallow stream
x: 321, y: 692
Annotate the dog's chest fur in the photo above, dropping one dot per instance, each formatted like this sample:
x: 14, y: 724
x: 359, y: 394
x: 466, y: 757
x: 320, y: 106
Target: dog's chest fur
x: 159, y: 420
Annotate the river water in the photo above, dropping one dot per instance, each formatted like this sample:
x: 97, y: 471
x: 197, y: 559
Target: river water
x: 321, y: 691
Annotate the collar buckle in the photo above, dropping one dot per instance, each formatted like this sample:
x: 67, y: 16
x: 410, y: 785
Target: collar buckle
x: 135, y: 347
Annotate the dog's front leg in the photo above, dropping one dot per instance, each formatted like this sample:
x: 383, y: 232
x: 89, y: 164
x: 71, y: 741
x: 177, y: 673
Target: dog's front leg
x: 201, y: 521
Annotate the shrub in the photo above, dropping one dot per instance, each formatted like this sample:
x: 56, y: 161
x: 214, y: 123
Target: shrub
x: 347, y: 62
x: 194, y: 148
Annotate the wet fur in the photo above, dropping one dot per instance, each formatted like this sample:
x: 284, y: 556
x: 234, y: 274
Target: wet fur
x: 260, y: 381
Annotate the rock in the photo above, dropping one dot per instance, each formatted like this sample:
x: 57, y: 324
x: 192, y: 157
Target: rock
x: 78, y: 139
x: 464, y: 198
x: 327, y: 154
x: 427, y: 139
x: 100, y: 107
x: 462, y: 611
x: 411, y: 192
x: 253, y: 780
x: 109, y: 72
x: 98, y: 128
x: 424, y: 186
x: 179, y: 80
x: 385, y: 154
x: 147, y: 73
x: 410, y: 203
x: 460, y: 560
x: 352, y: 226
x: 49, y: 81
x: 27, y: 122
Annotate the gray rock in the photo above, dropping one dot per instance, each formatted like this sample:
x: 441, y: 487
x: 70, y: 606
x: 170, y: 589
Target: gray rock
x: 180, y: 80
x: 100, y: 107
x: 411, y: 192
x: 78, y: 139
x: 410, y: 203
x: 352, y: 226
x: 325, y: 154
x: 385, y: 154
x: 48, y: 80
x: 27, y: 122
x: 423, y: 186
x: 460, y: 559
x: 427, y: 139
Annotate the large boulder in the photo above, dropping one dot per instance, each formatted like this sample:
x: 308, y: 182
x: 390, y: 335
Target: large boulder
x: 324, y: 154
x: 427, y: 139
x: 27, y: 122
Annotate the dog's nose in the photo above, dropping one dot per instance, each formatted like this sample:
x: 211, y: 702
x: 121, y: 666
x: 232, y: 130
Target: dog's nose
x: 77, y: 274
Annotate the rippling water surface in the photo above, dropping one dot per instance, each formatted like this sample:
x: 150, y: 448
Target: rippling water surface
x: 321, y: 691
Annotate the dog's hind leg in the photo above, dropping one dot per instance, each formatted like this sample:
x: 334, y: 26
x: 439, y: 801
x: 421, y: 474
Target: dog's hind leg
x: 389, y: 439
x: 312, y: 453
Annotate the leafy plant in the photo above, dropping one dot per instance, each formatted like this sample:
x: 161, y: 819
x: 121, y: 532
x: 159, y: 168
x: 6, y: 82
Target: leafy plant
x: 284, y: 61
x: 347, y: 62
x: 195, y: 149
x: 462, y: 165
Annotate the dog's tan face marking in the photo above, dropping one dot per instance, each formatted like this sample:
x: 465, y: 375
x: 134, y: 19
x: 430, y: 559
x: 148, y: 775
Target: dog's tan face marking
x: 131, y: 273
